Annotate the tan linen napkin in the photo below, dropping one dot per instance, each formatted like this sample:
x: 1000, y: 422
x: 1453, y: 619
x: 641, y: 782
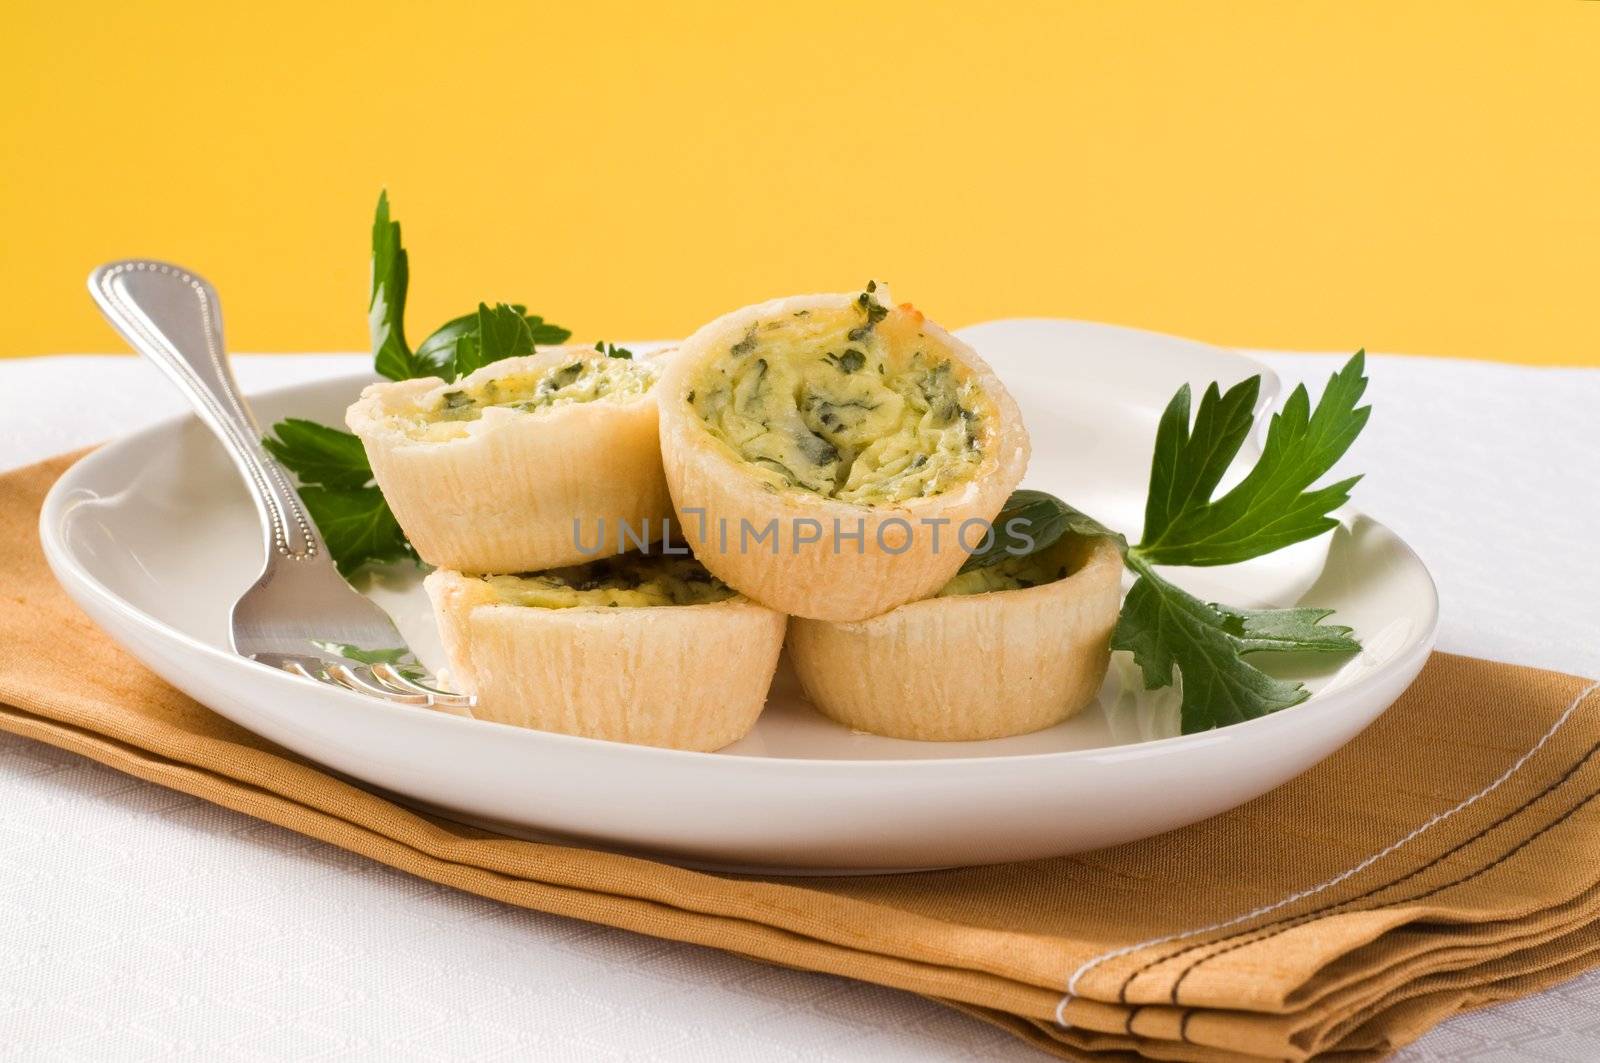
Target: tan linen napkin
x: 1442, y: 860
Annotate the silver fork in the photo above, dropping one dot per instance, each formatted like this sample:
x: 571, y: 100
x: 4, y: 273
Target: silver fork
x: 172, y: 317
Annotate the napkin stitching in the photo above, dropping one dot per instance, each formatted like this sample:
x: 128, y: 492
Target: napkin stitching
x: 1425, y: 894
x: 1071, y: 993
x: 1506, y: 817
x: 1280, y: 926
x: 1191, y: 1012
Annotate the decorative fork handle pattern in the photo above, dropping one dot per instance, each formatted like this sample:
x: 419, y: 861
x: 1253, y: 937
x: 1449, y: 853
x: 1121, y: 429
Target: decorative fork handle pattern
x: 173, y: 318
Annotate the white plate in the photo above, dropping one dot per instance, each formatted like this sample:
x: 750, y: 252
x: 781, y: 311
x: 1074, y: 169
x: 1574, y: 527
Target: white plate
x: 154, y: 537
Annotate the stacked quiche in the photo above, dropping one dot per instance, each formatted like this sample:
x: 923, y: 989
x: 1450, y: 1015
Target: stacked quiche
x: 620, y: 544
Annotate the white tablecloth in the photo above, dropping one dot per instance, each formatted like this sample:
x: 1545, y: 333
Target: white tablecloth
x: 140, y: 923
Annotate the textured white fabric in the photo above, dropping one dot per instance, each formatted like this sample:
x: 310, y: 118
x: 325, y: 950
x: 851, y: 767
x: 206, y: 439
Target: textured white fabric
x: 139, y: 923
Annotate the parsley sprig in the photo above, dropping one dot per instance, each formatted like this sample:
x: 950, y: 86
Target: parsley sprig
x: 337, y: 489
x: 1274, y: 505
x: 335, y: 479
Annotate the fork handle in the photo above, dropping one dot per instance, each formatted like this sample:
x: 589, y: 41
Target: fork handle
x: 172, y: 317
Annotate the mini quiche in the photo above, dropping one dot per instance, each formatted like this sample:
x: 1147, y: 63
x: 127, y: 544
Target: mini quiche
x: 1003, y: 650
x: 634, y: 648
x: 832, y: 456
x: 529, y: 463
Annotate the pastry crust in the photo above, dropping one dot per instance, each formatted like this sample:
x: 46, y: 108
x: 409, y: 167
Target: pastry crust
x: 898, y: 558
x: 970, y: 667
x: 652, y: 675
x: 504, y: 495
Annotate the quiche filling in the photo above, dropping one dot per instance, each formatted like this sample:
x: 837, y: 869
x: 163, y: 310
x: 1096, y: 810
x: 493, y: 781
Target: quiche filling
x: 581, y: 380
x: 632, y: 580
x: 1012, y: 574
x: 855, y: 404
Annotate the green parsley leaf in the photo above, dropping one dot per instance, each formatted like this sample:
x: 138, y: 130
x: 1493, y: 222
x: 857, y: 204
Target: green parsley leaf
x: 503, y: 333
x: 386, y: 305
x: 357, y: 526
x: 438, y: 354
x: 320, y: 455
x: 467, y: 356
x: 399, y: 655
x: 545, y: 333
x: 1187, y: 466
x: 498, y: 333
x: 1298, y: 629
x: 1165, y: 626
x: 1273, y: 506
x: 439, y: 348
x: 611, y: 350
x: 1032, y: 521
x: 335, y: 479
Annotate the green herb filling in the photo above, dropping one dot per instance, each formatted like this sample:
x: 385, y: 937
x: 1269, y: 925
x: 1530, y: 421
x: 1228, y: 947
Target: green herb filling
x: 857, y: 404
x: 1056, y: 562
x: 584, y: 379
x: 631, y: 580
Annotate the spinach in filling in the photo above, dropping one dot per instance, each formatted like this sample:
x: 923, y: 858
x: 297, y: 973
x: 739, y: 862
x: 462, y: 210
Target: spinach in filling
x: 584, y: 379
x: 632, y: 580
x: 1055, y: 562
x: 1013, y: 574
x: 856, y: 404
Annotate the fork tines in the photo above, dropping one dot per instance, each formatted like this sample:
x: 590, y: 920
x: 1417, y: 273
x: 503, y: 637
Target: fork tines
x: 378, y: 680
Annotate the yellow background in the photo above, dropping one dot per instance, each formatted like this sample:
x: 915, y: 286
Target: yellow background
x: 1416, y: 177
